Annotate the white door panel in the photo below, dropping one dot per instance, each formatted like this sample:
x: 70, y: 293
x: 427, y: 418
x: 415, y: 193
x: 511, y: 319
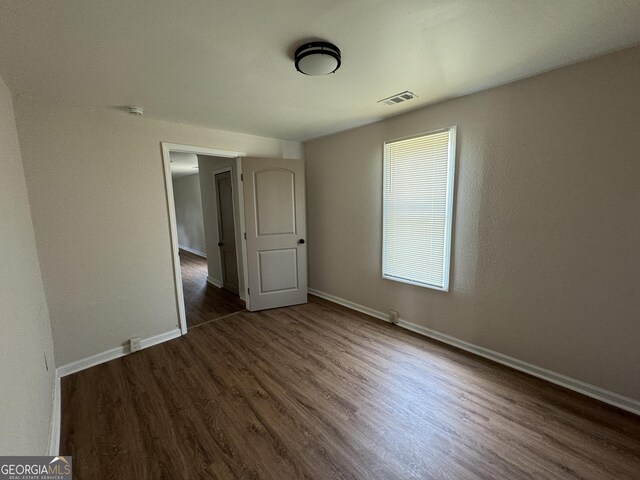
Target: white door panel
x: 278, y: 270
x: 274, y: 202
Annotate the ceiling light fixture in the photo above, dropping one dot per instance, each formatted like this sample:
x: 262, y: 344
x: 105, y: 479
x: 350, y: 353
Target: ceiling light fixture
x: 317, y: 58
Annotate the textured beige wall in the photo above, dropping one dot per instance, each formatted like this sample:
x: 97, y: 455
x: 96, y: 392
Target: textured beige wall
x: 96, y: 186
x: 26, y: 384
x: 545, y: 264
x: 188, y: 205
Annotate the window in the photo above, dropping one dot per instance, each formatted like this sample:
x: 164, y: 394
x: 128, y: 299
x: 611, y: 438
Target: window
x: 417, y: 208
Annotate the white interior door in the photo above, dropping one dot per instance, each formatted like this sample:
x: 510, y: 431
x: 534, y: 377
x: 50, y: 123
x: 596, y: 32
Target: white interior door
x: 275, y: 221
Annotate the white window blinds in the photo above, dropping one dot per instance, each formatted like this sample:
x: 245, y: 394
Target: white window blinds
x: 418, y: 206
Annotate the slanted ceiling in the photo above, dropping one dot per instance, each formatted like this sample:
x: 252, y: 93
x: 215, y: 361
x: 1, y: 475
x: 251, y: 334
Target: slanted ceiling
x: 227, y: 64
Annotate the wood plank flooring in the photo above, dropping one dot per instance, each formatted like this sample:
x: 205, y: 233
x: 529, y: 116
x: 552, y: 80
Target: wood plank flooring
x: 318, y: 391
x: 204, y: 302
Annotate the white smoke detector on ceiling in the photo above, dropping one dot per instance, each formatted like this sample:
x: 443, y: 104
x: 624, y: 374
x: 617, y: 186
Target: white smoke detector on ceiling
x: 135, y: 110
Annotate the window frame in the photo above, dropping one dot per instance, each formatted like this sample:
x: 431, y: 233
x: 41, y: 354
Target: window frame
x: 448, y: 229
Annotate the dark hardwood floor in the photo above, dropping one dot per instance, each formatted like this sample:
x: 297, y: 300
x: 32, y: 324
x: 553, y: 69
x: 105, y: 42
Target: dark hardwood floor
x: 204, y: 302
x: 317, y: 391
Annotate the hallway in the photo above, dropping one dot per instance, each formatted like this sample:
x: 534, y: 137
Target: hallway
x: 203, y: 301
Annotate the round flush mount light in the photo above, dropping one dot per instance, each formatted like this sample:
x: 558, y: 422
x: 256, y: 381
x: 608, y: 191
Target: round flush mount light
x: 317, y: 58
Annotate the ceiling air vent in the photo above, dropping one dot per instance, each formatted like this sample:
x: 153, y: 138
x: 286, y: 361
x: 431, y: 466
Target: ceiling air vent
x: 398, y: 98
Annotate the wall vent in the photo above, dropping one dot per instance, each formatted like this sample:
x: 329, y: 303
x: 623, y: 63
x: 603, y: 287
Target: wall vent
x: 398, y: 98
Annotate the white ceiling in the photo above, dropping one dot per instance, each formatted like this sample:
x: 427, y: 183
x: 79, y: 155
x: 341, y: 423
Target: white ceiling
x: 183, y: 164
x: 227, y: 64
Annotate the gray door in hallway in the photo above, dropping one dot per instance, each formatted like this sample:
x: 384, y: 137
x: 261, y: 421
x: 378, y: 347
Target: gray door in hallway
x: 226, y: 232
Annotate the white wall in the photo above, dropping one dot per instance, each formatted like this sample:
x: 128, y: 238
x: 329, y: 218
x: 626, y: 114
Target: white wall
x: 26, y: 383
x: 545, y: 264
x: 96, y: 187
x: 188, y: 205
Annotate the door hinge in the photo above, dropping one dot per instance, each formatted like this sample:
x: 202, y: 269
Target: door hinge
x: 248, y: 291
x: 245, y: 235
x: 242, y: 177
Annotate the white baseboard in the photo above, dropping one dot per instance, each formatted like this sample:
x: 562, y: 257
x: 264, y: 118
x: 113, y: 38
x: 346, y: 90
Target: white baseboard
x: 606, y: 396
x: 114, y: 353
x: 214, y: 281
x: 346, y: 303
x: 56, y: 418
x: 191, y: 250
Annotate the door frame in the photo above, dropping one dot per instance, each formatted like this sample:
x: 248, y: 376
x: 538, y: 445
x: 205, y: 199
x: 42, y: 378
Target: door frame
x: 166, y: 149
x: 236, y: 226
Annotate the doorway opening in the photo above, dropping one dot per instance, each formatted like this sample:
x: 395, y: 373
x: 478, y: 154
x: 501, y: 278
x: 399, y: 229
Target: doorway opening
x: 204, y: 199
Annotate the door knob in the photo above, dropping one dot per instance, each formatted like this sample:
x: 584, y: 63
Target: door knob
x: 219, y: 244
x: 301, y: 241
